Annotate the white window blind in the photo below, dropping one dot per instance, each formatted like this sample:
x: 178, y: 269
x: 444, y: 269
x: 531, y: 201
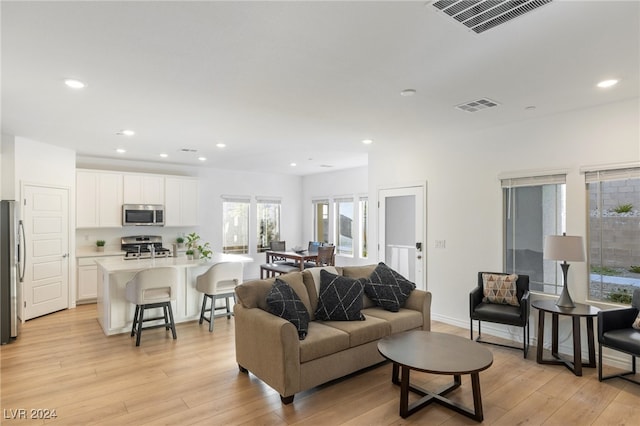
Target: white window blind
x: 553, y: 179
x: 236, y: 198
x: 612, y: 174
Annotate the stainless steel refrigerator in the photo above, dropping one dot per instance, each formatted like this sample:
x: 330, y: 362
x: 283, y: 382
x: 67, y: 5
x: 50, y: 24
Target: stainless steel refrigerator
x: 11, y: 235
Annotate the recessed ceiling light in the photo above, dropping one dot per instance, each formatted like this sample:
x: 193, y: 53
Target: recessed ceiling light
x: 221, y: 145
x: 74, y: 84
x: 126, y: 133
x: 121, y: 151
x: 202, y: 158
x: 292, y: 164
x: 164, y: 155
x: 607, y: 83
x: 367, y: 141
x: 408, y: 92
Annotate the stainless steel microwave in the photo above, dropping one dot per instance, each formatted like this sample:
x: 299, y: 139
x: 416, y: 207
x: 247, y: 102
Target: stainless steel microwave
x: 142, y: 214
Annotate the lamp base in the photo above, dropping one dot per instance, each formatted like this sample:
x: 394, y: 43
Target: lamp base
x: 564, y: 301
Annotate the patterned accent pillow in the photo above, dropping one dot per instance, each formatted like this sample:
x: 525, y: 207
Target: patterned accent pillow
x: 340, y: 298
x: 283, y: 301
x: 500, y: 289
x: 636, y: 323
x: 387, y: 288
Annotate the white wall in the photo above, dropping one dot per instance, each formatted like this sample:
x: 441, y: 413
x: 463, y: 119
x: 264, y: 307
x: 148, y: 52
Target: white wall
x: 7, y: 168
x: 464, y: 199
x: 339, y: 184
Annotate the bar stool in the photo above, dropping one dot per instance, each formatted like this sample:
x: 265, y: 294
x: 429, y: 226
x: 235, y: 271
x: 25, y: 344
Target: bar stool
x: 219, y: 281
x: 152, y: 288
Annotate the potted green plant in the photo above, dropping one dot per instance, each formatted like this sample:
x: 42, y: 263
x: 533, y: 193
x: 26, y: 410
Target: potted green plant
x: 189, y: 254
x: 100, y: 245
x: 180, y: 242
x: 205, y: 251
x: 192, y: 243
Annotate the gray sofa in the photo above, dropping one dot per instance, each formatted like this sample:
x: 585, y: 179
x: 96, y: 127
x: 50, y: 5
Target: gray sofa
x: 268, y: 346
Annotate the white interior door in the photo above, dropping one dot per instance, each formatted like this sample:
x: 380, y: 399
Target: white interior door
x: 401, y: 231
x: 46, y: 226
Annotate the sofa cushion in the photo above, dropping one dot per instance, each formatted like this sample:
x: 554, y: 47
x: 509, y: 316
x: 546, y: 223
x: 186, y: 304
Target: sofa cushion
x: 253, y: 294
x: 285, y: 303
x: 403, y: 320
x: 361, y: 332
x: 340, y: 298
x: 500, y: 288
x: 322, y: 340
x: 359, y: 272
x: 387, y: 288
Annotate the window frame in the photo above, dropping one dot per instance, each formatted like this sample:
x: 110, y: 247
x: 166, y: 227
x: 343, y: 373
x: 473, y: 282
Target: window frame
x: 263, y: 244
x: 338, y: 236
x: 246, y: 202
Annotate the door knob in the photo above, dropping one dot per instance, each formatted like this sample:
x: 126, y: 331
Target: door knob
x: 65, y: 255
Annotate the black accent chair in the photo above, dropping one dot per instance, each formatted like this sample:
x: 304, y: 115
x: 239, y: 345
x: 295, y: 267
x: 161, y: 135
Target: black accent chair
x: 501, y: 314
x: 615, y: 332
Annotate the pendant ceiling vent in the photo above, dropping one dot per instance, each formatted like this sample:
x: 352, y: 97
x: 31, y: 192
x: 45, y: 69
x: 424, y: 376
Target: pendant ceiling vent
x: 482, y: 15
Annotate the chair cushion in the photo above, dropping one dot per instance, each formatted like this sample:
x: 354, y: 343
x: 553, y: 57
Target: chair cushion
x: 494, y: 312
x: 499, y: 288
x: 285, y: 303
x: 624, y: 339
x: 387, y: 288
x: 340, y: 298
x: 636, y: 323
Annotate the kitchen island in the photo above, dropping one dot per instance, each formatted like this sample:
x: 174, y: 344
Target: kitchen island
x: 115, y: 313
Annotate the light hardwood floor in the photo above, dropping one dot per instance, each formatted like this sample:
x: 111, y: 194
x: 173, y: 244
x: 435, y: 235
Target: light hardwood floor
x: 64, y: 362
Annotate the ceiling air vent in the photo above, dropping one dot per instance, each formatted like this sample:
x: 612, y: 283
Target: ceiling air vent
x: 482, y: 15
x: 475, y: 106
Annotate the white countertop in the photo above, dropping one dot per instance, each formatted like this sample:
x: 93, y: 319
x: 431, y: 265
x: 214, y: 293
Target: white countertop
x: 118, y: 264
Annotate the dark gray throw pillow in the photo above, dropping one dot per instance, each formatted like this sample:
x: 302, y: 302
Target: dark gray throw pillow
x: 340, y: 298
x: 387, y: 288
x: 283, y: 301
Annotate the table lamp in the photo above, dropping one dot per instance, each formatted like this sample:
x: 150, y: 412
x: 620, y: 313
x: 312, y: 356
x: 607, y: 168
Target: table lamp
x: 564, y: 247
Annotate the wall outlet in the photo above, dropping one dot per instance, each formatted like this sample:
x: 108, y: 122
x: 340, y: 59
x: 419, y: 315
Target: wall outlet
x: 440, y: 244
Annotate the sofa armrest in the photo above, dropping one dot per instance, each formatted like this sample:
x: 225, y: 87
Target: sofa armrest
x: 268, y: 347
x: 420, y: 300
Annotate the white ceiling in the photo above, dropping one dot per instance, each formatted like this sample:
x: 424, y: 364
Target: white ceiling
x: 303, y: 82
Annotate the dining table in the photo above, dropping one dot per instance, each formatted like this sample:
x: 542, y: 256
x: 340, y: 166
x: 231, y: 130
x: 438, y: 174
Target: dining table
x: 298, y: 257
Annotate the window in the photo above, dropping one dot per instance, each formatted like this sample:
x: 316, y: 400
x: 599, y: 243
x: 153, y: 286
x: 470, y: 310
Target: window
x: 533, y: 207
x: 363, y: 208
x: 268, y: 215
x: 321, y: 221
x: 344, y: 226
x: 613, y: 243
x: 235, y: 225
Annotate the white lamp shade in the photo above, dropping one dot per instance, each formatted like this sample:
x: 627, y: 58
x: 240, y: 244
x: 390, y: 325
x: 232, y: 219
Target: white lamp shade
x: 564, y: 247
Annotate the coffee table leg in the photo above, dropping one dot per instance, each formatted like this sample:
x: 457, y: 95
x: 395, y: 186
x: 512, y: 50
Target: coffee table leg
x: 395, y: 379
x: 477, y: 397
x: 404, y: 392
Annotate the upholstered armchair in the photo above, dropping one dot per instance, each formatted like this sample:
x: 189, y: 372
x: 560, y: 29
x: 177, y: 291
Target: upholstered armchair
x: 503, y: 303
x: 615, y: 331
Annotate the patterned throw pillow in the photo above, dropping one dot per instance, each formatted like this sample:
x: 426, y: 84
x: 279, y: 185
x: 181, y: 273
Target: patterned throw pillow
x: 340, y: 298
x: 500, y: 289
x: 636, y: 323
x: 285, y: 303
x: 387, y: 288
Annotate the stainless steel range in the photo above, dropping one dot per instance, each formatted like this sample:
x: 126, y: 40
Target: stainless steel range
x: 143, y: 246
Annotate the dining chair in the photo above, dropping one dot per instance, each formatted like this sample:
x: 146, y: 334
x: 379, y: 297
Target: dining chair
x: 326, y: 257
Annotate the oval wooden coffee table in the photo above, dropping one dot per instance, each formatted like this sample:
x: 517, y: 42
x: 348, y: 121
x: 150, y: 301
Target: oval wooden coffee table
x: 435, y: 353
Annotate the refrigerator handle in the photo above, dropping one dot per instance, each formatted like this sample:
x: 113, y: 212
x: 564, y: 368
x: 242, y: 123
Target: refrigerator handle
x: 22, y: 245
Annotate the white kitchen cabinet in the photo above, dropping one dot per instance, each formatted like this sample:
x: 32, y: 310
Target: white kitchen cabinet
x: 181, y: 201
x: 143, y: 189
x: 98, y: 199
x: 87, y: 279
